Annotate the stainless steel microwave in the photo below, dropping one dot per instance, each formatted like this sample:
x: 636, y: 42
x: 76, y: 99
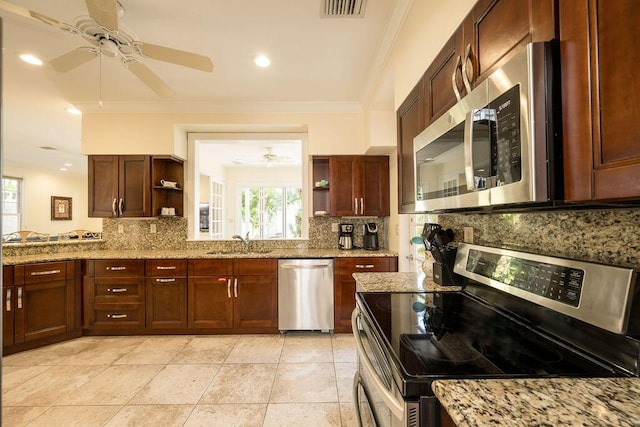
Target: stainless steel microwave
x: 501, y: 144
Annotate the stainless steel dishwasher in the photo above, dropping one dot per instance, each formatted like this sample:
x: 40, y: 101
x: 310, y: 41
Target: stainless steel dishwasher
x: 305, y: 294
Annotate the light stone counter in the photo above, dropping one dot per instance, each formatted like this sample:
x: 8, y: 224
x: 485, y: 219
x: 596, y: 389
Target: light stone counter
x: 541, y: 402
x: 399, y: 282
x: 191, y: 254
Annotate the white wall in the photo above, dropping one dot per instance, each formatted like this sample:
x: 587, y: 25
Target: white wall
x: 38, y: 189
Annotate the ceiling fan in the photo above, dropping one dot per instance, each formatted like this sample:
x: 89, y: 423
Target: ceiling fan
x: 270, y: 158
x: 101, y: 29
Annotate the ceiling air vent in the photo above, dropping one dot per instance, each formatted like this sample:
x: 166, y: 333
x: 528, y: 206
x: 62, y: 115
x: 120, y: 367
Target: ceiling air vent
x: 342, y: 8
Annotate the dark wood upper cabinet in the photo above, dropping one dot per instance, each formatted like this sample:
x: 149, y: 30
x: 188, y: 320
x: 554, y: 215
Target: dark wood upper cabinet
x: 599, y: 60
x: 119, y: 186
x: 130, y: 185
x: 410, y: 122
x: 359, y: 185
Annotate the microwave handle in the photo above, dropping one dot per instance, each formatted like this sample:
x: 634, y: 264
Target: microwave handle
x: 468, y: 151
x: 396, y: 407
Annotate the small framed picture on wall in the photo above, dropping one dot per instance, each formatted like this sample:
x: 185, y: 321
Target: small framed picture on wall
x: 60, y: 208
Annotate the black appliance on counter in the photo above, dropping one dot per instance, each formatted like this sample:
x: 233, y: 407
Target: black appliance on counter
x: 370, y: 237
x: 519, y: 315
x: 439, y: 243
x: 345, y: 239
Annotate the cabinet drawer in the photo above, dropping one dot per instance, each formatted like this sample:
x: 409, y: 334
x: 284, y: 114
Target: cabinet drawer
x: 119, y: 316
x: 166, y: 268
x: 46, y: 272
x: 124, y: 290
x: 119, y: 268
x: 210, y: 267
x: 362, y: 265
x: 255, y: 267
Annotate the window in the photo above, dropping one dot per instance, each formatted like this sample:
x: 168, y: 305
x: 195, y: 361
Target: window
x: 271, y: 212
x: 11, y: 204
x: 217, y: 209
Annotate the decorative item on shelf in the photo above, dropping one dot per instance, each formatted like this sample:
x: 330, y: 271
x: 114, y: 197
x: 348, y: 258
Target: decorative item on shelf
x: 320, y: 213
x: 25, y: 236
x: 169, y: 184
x: 322, y: 183
x: 79, y: 235
x: 60, y: 208
x: 167, y: 211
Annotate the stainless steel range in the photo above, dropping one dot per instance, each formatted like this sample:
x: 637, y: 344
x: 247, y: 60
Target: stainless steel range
x: 519, y: 315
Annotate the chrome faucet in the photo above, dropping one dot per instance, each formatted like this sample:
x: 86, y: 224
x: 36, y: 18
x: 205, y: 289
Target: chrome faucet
x: 246, y: 240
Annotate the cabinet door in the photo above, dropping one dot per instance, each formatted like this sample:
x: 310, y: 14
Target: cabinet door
x: 134, y: 186
x: 345, y: 285
x: 410, y: 122
x: 210, y: 302
x: 342, y: 181
x: 8, y: 305
x: 103, y: 186
x: 45, y: 307
x: 255, y: 302
x: 599, y: 91
x: 255, y: 293
x: 166, y: 302
x: 373, y: 185
x: 439, y: 87
x: 501, y: 28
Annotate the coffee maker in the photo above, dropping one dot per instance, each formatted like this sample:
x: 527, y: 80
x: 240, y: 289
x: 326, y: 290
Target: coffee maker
x: 370, y: 237
x: 345, y: 240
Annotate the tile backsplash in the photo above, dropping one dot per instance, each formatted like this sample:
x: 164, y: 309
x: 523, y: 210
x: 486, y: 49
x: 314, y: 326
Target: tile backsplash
x: 607, y: 236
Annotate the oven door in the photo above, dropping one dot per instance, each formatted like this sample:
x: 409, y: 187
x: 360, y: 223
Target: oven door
x: 376, y: 398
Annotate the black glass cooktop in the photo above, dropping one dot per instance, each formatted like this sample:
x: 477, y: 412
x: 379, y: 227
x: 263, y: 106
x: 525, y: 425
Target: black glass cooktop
x: 436, y: 335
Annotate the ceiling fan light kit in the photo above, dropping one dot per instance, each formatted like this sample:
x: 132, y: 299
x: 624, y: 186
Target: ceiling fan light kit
x: 102, y: 30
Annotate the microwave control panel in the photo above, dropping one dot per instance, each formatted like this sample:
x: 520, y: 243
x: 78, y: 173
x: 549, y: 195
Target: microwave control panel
x: 508, y: 145
x: 555, y: 282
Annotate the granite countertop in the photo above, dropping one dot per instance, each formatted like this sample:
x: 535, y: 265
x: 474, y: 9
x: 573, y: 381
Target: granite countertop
x: 399, y: 282
x: 192, y: 254
x: 541, y: 402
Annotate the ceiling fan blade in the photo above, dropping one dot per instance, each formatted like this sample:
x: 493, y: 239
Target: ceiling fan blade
x: 18, y: 10
x: 175, y: 56
x: 149, y: 78
x: 104, y: 12
x: 71, y: 60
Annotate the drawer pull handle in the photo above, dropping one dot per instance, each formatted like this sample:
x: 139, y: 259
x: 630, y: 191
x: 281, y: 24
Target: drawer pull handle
x: 117, y: 290
x: 165, y: 280
x: 365, y: 265
x: 44, y: 273
x: 167, y: 267
x: 116, y: 268
x: 20, y: 297
x: 117, y: 316
x: 8, y: 299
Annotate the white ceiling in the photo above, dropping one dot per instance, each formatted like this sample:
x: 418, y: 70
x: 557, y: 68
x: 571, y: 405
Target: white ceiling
x: 320, y: 63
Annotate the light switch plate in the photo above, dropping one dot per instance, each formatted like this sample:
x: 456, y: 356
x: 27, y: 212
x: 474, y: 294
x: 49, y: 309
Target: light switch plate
x: 120, y: 228
x: 334, y: 227
x: 152, y: 229
x: 468, y: 235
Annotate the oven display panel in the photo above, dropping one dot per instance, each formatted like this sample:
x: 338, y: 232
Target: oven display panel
x: 558, y: 283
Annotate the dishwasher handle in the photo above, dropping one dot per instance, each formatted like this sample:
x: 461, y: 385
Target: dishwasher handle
x: 303, y: 266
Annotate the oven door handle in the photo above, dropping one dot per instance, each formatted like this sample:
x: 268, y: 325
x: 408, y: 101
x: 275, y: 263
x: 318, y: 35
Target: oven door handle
x: 396, y: 407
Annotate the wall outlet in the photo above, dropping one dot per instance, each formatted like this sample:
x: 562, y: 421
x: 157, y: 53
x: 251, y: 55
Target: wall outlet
x: 152, y: 228
x: 334, y: 227
x: 120, y: 228
x: 468, y: 235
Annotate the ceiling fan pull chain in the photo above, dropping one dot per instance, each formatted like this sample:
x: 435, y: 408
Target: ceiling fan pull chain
x: 100, y: 81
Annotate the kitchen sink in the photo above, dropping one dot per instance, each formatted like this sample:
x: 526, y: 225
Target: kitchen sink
x: 253, y: 252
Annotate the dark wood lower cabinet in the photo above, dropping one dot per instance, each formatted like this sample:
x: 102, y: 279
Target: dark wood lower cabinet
x: 210, y: 303
x: 344, y: 288
x: 39, y: 304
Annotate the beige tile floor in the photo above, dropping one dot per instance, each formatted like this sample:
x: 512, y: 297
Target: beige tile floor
x: 297, y: 379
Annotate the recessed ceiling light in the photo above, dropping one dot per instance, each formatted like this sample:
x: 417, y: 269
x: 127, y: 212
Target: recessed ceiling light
x: 68, y: 165
x: 73, y: 110
x: 262, y: 61
x: 63, y: 169
x: 30, y: 59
